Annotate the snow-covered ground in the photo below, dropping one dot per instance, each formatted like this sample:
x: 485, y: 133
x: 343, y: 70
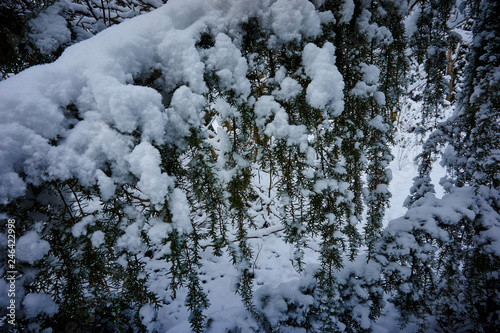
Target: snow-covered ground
x: 402, y: 180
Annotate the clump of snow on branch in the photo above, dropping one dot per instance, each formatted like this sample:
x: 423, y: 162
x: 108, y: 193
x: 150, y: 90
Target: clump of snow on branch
x: 30, y: 248
x: 326, y: 88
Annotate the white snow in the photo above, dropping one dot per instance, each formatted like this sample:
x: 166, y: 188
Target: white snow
x: 30, y: 248
x: 281, y: 129
x: 180, y: 211
x: 289, y: 88
x: 295, y: 19
x: 38, y: 303
x: 131, y: 240
x: 185, y: 112
x: 181, y: 60
x: 80, y: 228
x: 346, y: 11
x: 265, y: 107
x: 326, y: 88
x: 106, y: 185
x: 145, y: 164
x: 230, y: 66
x: 369, y: 84
x: 49, y: 30
x: 99, y: 144
x: 411, y: 22
x: 97, y: 238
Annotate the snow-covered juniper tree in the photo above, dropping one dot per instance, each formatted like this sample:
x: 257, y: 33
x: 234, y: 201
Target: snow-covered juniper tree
x: 473, y: 160
x: 175, y: 139
x: 442, y: 258
x: 430, y: 44
x: 37, y: 31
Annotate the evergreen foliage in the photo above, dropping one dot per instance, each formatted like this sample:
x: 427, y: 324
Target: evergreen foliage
x: 273, y: 117
x: 446, y: 264
x: 34, y: 32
